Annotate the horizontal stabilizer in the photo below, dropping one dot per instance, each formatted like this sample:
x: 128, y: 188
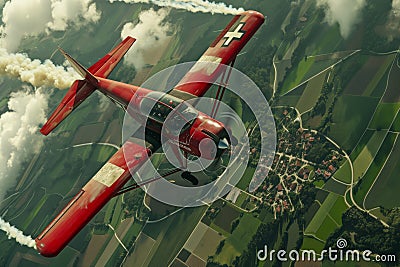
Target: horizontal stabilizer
x: 78, y: 92
x: 105, y: 65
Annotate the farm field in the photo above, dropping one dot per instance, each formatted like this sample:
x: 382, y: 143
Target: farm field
x: 384, y: 115
x: 321, y: 214
x: 175, y: 236
x: 334, y: 186
x: 396, y: 123
x: 312, y: 243
x: 237, y: 242
x: 392, y: 93
x: 327, y: 218
x: 384, y: 192
x: 361, y: 144
x: 364, y: 159
x: 343, y: 174
x: 368, y: 77
x: 311, y: 93
x: 351, y: 116
x: 374, y: 169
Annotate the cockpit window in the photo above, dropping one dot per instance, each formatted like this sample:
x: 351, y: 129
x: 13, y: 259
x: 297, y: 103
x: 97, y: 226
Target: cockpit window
x: 158, y: 106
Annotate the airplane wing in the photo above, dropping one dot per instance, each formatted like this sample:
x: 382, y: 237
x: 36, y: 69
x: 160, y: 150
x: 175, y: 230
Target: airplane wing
x: 93, y: 196
x: 222, y: 51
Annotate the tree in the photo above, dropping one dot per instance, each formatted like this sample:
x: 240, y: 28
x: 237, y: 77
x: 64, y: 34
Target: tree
x: 220, y: 246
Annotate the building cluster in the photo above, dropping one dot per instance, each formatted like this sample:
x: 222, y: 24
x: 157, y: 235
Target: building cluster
x: 290, y: 168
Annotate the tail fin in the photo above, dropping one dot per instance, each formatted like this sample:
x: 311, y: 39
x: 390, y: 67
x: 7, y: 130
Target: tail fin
x: 82, y: 89
x: 89, y: 77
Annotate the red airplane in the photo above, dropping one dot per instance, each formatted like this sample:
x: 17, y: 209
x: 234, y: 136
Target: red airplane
x: 111, y: 178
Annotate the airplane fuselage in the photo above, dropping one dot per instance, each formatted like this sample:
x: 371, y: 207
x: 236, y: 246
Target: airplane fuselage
x: 198, y: 135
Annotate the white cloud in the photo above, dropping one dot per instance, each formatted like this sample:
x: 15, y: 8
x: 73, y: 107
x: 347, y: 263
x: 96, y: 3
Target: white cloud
x: 65, y: 11
x: 29, y: 18
x: 151, y: 33
x: 19, y: 20
x: 396, y: 7
x: 19, y: 134
x: 346, y: 13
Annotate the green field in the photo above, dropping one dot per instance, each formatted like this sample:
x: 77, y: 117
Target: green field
x: 351, y: 116
x: 297, y: 76
x: 328, y: 217
x: 361, y: 156
x: 237, y: 242
x: 386, y: 188
x: 310, y: 243
x: 378, y: 75
x: 384, y: 115
x: 361, y: 144
x: 336, y: 187
x: 338, y: 209
x: 396, y: 123
x: 175, y: 235
x: 311, y: 93
x: 321, y: 214
x: 327, y: 227
x: 288, y: 100
x: 367, y: 78
x: 344, y: 173
x: 246, y: 179
x: 364, y: 159
x: 374, y: 169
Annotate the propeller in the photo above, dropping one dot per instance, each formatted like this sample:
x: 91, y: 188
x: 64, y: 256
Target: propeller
x: 223, y: 144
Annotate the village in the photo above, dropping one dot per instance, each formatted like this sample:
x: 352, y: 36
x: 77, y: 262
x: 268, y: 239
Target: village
x: 302, y: 156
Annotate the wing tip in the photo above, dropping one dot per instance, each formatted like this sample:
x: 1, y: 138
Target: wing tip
x: 254, y: 13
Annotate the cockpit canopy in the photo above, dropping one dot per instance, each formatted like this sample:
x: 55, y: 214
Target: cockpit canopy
x: 157, y: 106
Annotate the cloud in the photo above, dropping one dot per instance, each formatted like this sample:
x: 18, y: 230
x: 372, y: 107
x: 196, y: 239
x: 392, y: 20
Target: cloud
x: 34, y: 71
x: 151, y: 33
x: 30, y: 18
x: 19, y: 20
x: 347, y: 13
x: 76, y: 11
x: 190, y: 5
x: 393, y: 21
x: 396, y: 8
x: 19, y: 133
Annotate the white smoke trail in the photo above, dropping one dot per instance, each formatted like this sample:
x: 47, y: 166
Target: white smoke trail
x: 190, y: 5
x: 19, y: 140
x: 13, y: 233
x: 151, y: 33
x: 347, y: 13
x: 35, y: 72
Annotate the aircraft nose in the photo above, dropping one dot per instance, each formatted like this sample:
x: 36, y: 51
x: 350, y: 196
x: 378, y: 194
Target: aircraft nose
x: 223, y: 144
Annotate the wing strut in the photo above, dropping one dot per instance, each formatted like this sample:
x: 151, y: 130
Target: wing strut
x: 136, y: 186
x: 221, y: 89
